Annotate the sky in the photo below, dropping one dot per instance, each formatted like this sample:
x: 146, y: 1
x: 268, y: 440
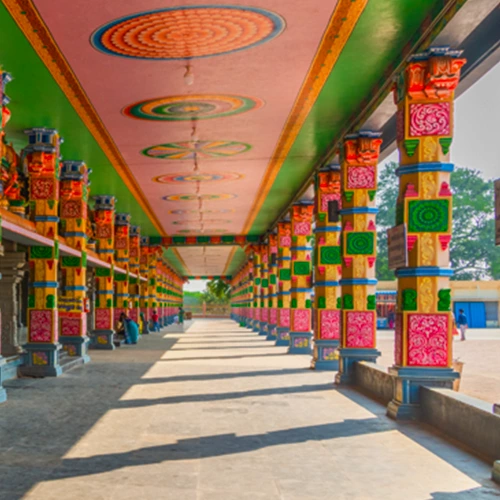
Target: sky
x: 476, y: 137
x: 477, y: 131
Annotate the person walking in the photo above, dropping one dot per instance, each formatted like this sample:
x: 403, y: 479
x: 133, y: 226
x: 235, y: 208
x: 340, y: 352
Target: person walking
x: 156, y: 321
x: 462, y: 323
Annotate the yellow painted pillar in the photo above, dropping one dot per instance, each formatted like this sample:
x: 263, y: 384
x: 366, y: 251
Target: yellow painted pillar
x: 42, y: 163
x: 73, y: 302
x: 300, y: 298
x: 272, y: 303
x: 423, y: 347
x: 257, y: 265
x: 122, y: 257
x: 264, y: 289
x: 135, y: 268
x: 359, y: 237
x: 144, y: 285
x: 104, y: 218
x: 328, y: 269
x: 284, y: 282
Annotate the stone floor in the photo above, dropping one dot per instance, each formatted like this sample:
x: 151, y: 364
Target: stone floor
x: 217, y: 413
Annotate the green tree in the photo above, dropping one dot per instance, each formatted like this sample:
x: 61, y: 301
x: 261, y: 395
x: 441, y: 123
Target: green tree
x: 217, y: 292
x: 473, y: 253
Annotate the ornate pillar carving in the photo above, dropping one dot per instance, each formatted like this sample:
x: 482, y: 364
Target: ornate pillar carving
x: 359, y: 236
x: 122, y: 257
x: 273, y: 285
x: 328, y: 269
x: 284, y: 283
x: 73, y: 304
x: 300, y: 298
x: 144, y: 285
x: 104, y: 217
x: 135, y: 268
x: 42, y: 162
x: 257, y: 264
x: 264, y: 289
x: 425, y: 97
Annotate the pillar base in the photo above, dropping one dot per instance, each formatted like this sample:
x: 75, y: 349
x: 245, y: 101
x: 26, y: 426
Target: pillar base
x: 76, y: 347
x: 495, y: 474
x: 41, y: 360
x: 349, y: 356
x: 407, y: 383
x: 102, y: 339
x: 256, y: 326
x: 271, y: 332
x: 325, y: 355
x: 262, y: 328
x: 3, y: 392
x: 300, y: 343
x: 282, y: 336
x: 243, y: 324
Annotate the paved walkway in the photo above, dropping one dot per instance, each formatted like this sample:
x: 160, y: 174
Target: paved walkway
x: 217, y: 414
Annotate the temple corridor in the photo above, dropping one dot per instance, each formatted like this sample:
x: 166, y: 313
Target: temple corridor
x: 217, y: 413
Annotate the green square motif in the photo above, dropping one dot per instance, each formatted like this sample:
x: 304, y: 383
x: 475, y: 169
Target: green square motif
x: 428, y: 216
x: 301, y: 268
x: 285, y: 274
x: 360, y: 243
x: 330, y: 255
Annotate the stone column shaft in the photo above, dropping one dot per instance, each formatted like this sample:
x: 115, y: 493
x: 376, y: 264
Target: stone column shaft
x: 284, y: 283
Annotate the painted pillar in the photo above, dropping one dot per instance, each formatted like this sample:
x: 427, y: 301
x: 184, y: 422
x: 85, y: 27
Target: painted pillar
x: 264, y: 289
x: 104, y: 218
x: 73, y: 302
x: 284, y: 283
x: 135, y: 268
x: 300, y: 298
x: 41, y: 158
x: 122, y: 257
x: 328, y: 269
x: 250, y: 290
x: 153, y: 304
x: 273, y: 287
x: 257, y: 265
x: 144, y: 285
x: 423, y: 351
x: 359, y: 237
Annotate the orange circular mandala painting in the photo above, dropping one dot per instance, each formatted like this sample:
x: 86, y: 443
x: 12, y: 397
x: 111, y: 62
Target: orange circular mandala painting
x: 188, y: 32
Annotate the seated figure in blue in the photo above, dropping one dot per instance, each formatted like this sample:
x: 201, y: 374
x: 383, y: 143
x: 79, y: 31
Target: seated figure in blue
x: 131, y: 329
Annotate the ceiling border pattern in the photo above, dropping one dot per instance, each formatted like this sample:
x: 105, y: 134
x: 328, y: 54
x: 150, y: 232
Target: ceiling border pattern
x: 340, y: 27
x: 38, y: 35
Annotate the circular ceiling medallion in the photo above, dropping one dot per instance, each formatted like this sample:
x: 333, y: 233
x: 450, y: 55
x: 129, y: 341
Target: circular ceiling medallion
x: 190, y: 107
x: 197, y: 222
x: 195, y: 197
x: 210, y: 212
x: 196, y: 177
x: 201, y: 149
x: 187, y: 32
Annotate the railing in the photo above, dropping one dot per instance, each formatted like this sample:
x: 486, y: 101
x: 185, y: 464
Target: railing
x: 209, y: 311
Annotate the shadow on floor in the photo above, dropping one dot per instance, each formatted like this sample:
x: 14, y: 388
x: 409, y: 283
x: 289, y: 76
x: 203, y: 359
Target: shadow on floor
x: 196, y: 398
x: 202, y: 358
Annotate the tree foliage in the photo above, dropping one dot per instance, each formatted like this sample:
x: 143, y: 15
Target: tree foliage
x: 473, y: 253
x: 217, y: 292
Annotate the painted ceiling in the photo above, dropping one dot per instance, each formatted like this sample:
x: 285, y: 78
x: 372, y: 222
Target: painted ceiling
x: 203, y: 119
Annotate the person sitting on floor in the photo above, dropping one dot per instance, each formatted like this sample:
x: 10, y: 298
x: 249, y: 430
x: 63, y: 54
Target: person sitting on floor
x: 131, y: 329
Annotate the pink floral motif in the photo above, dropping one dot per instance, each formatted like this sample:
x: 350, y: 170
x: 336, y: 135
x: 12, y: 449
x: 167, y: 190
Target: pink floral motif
x: 71, y: 327
x: 430, y: 119
x: 133, y: 314
x: 273, y: 316
x: 117, y: 312
x: 102, y: 319
x: 398, y: 340
x: 40, y: 325
x: 264, y: 315
x: 361, y: 177
x: 330, y: 197
x: 284, y: 318
x: 256, y: 314
x: 302, y: 228
x: 330, y: 324
x: 301, y: 320
x: 428, y: 340
x: 286, y: 241
x: 360, y: 328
